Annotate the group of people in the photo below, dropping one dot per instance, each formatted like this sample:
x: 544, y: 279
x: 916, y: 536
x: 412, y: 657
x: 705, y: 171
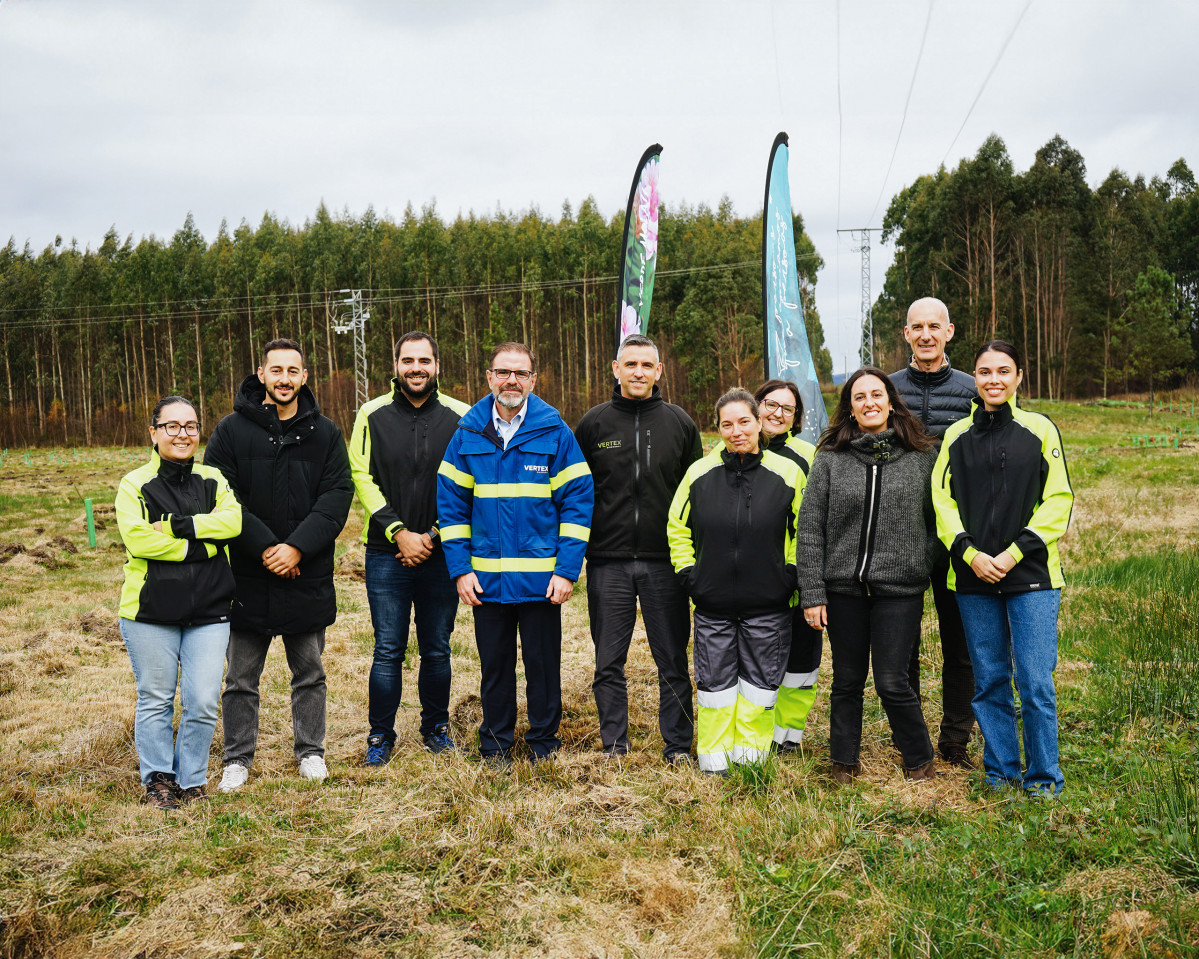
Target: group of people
x: 752, y: 551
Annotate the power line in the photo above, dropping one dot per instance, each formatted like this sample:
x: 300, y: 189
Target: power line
x: 911, y: 86
x: 840, y: 125
x: 986, y: 79
x: 154, y: 311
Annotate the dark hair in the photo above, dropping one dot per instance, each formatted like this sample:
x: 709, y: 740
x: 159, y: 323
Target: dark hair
x: 909, y: 431
x: 771, y: 385
x: 511, y: 347
x: 737, y: 395
x: 417, y: 335
x: 999, y: 346
x: 285, y: 344
x: 167, y: 401
x: 637, y: 339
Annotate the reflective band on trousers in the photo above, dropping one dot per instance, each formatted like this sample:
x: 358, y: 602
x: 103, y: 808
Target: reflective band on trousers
x: 763, y: 698
x: 797, y: 680
x: 746, y: 754
x: 783, y: 734
x: 716, y: 699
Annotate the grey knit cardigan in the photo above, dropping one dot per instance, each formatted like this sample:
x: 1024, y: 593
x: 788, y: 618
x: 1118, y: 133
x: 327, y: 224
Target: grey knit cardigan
x: 846, y: 546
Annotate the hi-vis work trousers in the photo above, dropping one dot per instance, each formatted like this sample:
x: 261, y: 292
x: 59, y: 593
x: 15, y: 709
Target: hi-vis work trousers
x: 739, y: 664
x: 797, y: 694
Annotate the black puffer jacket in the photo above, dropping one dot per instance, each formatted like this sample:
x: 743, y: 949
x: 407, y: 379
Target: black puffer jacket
x: 939, y: 399
x: 292, y: 479
x: 638, y: 451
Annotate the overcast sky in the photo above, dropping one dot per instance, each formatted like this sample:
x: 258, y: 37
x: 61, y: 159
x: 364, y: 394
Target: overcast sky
x: 134, y: 113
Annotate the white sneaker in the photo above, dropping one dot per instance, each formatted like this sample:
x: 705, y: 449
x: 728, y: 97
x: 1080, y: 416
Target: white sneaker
x: 313, y: 767
x: 234, y: 778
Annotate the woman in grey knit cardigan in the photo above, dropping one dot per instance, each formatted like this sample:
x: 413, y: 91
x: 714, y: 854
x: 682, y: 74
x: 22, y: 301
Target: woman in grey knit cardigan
x: 865, y: 547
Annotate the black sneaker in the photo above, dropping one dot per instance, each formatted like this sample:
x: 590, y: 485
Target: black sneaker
x: 162, y: 792
x: 378, y: 750
x: 500, y: 762
x: 439, y: 740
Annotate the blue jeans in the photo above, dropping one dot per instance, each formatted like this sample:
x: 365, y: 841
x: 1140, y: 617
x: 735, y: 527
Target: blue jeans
x: 191, y: 658
x: 1015, y: 630
x: 392, y: 589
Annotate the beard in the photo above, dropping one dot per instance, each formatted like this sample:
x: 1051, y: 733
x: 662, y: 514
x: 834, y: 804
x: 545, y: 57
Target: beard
x: 278, y: 401
x: 416, y: 393
x: 510, y: 401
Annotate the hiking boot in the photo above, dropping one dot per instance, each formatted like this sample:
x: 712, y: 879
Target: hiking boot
x: 162, y: 792
x: 378, y: 750
x: 956, y: 755
x: 790, y: 746
x: 500, y: 762
x: 234, y: 778
x: 194, y: 794
x: 681, y: 760
x: 927, y: 771
x: 843, y: 775
x: 313, y: 768
x: 439, y: 740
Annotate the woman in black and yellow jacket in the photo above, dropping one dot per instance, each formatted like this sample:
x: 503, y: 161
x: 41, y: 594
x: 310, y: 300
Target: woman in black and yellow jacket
x: 1003, y: 499
x: 175, y: 517
x: 731, y: 529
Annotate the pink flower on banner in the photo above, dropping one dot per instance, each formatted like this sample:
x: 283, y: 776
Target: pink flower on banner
x: 647, y: 212
x: 630, y: 321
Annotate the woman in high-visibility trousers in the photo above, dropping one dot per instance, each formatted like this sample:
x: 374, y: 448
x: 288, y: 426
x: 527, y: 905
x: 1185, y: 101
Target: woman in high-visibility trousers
x: 732, y: 542
x: 866, y: 546
x: 781, y: 407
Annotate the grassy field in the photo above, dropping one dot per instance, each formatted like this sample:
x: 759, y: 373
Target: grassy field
x: 440, y: 857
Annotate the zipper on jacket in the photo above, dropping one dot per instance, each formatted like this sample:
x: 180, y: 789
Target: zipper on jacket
x: 636, y: 479
x: 871, y: 494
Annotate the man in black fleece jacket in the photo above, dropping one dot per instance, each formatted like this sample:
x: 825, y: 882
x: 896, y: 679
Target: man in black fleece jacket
x: 638, y: 447
x: 940, y: 396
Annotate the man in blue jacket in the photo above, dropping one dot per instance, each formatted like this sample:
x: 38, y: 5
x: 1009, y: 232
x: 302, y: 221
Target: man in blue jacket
x: 514, y: 499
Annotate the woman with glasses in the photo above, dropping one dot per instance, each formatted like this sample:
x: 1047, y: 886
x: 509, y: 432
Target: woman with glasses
x: 731, y: 529
x: 866, y: 541
x: 175, y: 517
x: 1003, y: 500
x: 782, y: 409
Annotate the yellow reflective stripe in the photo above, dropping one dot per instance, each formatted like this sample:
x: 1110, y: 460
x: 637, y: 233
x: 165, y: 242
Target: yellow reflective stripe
x: 568, y: 474
x: 455, y: 532
x: 455, y: 474
x: 512, y: 490
x: 575, y: 531
x: 514, y: 564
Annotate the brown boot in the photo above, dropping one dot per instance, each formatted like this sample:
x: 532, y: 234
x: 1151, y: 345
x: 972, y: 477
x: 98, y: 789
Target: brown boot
x: 843, y: 775
x: 956, y: 755
x: 927, y: 771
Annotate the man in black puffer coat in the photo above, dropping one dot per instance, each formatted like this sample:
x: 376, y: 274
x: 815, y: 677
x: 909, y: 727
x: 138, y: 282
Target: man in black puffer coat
x: 940, y: 396
x: 288, y: 466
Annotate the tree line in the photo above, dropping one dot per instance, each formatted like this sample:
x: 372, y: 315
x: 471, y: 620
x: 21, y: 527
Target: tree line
x: 1098, y: 287
x: 92, y: 337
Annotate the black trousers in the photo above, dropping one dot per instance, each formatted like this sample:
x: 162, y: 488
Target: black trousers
x: 957, y: 674
x: 613, y: 588
x: 882, y: 629
x: 540, y: 627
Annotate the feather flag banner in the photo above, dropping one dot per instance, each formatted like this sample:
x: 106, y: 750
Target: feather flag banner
x: 786, y: 352
x: 639, y: 249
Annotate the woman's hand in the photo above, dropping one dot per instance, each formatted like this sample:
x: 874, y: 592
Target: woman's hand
x: 991, y: 569
x: 816, y: 616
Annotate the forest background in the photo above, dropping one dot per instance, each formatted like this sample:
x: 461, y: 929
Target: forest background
x: 1099, y: 286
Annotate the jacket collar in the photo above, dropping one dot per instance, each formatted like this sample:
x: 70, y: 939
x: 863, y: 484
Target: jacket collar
x: 935, y: 378
x: 876, y: 447
x: 623, y: 403
x: 174, y: 472
x: 539, y: 417
x: 739, y: 462
x: 986, y: 419
x: 250, y: 404
x: 400, y: 398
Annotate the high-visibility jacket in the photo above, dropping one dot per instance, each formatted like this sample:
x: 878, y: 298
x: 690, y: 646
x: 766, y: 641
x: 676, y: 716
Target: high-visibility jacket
x: 1000, y: 483
x: 179, y: 575
x: 795, y: 448
x: 518, y: 515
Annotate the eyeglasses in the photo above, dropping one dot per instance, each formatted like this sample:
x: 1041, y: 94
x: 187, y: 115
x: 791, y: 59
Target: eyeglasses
x: 172, y: 428
x: 504, y: 375
x: 772, y: 406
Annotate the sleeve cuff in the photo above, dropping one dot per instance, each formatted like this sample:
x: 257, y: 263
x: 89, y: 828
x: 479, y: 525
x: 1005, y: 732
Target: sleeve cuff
x: 182, y: 527
x: 1015, y: 552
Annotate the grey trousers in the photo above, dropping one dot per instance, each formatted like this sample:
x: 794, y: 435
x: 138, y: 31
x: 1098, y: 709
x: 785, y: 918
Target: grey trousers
x: 246, y: 658
x: 613, y: 588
